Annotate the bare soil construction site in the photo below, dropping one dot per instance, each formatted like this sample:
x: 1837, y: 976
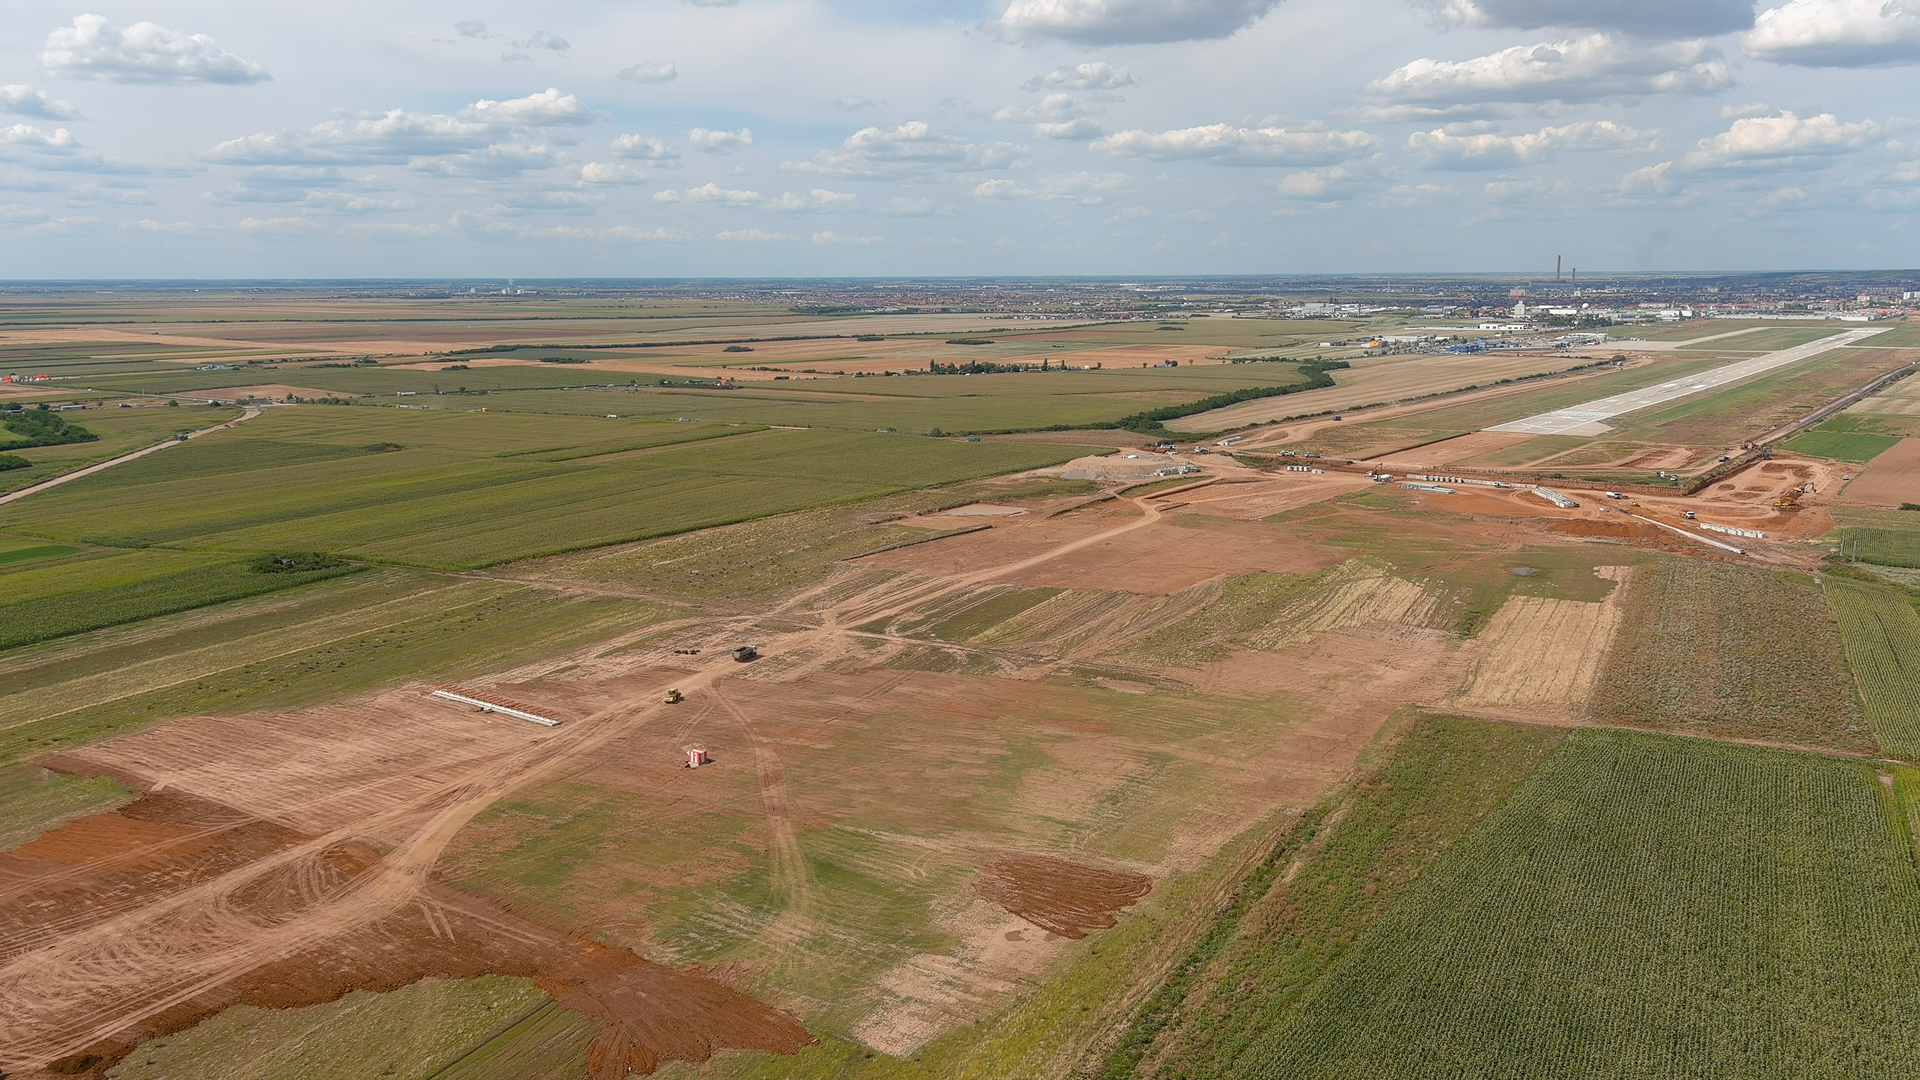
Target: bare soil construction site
x: 992, y: 771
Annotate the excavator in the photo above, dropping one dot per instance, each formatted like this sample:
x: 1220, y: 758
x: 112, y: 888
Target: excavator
x: 1791, y: 500
x: 674, y: 697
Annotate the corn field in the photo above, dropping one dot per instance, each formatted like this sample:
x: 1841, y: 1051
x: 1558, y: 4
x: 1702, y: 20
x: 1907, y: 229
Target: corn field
x: 1881, y: 630
x: 1642, y: 906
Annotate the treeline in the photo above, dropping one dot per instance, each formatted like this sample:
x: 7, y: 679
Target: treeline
x: 986, y: 367
x: 43, y: 427
x: 1150, y: 421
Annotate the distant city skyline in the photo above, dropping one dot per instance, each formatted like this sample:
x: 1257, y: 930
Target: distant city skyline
x: 968, y: 137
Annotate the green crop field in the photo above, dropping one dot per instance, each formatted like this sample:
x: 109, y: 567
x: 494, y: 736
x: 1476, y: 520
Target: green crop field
x: 1716, y: 648
x: 1881, y: 628
x: 38, y: 603
x: 120, y: 430
x: 1298, y: 912
x: 1641, y: 906
x: 1857, y: 447
x: 1882, y: 537
x: 473, y: 489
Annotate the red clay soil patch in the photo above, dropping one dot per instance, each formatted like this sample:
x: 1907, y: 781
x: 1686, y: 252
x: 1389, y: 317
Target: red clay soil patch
x: 1618, y: 530
x: 1059, y: 896
x: 650, y: 1013
x: 96, y: 867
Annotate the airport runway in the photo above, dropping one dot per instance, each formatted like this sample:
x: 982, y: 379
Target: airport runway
x: 1587, y: 419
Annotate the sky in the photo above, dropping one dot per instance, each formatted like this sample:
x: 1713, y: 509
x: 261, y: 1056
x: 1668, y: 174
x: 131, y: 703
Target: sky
x: 675, y: 138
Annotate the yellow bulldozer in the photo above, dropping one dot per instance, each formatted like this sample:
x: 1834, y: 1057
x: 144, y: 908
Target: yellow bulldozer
x: 674, y: 697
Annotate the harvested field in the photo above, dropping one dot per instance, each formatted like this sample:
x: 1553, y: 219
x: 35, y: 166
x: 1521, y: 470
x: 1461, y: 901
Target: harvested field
x: 1891, y: 478
x: 1719, y: 649
x: 1058, y: 896
x: 1542, y: 655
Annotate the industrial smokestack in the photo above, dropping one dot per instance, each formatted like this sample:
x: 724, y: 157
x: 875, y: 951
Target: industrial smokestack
x: 1556, y: 266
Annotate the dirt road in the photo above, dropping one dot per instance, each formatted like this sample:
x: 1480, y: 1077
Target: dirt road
x: 248, y: 413
x: 109, y: 971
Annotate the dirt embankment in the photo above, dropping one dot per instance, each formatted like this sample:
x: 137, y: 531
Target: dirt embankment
x: 1061, y: 897
x: 96, y: 868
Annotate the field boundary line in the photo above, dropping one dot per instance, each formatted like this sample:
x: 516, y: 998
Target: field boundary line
x: 248, y: 413
x: 1735, y: 740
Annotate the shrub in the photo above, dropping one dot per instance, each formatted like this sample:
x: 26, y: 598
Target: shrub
x: 295, y: 562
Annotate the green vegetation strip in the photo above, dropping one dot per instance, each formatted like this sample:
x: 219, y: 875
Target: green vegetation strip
x: 1299, y: 910
x: 1643, y: 905
x: 1150, y: 420
x: 91, y: 606
x: 1881, y: 629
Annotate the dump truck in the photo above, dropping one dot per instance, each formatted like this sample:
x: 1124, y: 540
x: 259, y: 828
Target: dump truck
x: 747, y: 652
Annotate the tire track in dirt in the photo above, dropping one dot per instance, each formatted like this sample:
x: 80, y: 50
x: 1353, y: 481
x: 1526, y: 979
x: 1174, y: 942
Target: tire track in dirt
x: 124, y: 970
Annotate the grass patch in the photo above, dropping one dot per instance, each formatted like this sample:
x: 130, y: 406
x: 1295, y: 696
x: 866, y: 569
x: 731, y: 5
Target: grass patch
x: 1857, y: 447
x: 434, y: 1028
x: 1718, y: 649
x: 321, y: 643
x: 95, y: 593
x: 1319, y: 889
x: 1641, y: 906
x: 29, y: 551
x: 34, y: 800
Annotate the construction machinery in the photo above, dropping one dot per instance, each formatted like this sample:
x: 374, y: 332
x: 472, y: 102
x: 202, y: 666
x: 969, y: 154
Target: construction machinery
x: 674, y: 697
x: 746, y: 652
x: 1791, y: 500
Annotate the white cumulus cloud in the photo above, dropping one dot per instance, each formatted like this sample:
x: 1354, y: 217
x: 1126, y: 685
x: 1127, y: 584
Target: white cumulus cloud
x: 709, y: 192
x: 719, y: 142
x: 642, y: 148
x: 1224, y: 144
x: 145, y: 52
x: 753, y: 236
x: 37, y: 137
x: 1785, y: 141
x: 1837, y: 33
x: 1095, y: 75
x: 599, y: 172
x: 398, y: 135
x: 912, y: 150
x: 1442, y: 149
x: 1126, y: 22
x: 817, y: 199
x: 1657, y: 19
x: 1592, y: 67
x: 650, y: 71
x: 1335, y: 183
x: 24, y: 100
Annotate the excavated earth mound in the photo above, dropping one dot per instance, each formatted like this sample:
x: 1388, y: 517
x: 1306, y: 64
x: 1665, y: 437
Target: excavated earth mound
x: 1058, y: 896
